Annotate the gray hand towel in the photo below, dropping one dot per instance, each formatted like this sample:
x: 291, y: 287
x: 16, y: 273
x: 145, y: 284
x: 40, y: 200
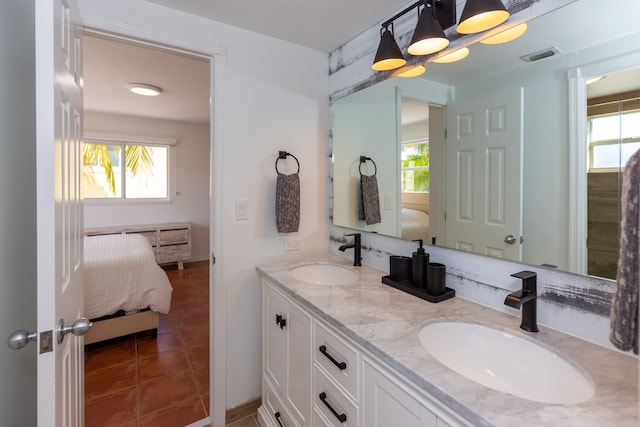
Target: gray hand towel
x: 287, y: 203
x: 369, y: 206
x: 624, y: 307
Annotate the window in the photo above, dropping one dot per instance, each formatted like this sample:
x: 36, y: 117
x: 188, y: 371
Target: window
x: 415, y: 166
x: 613, y: 134
x: 125, y: 170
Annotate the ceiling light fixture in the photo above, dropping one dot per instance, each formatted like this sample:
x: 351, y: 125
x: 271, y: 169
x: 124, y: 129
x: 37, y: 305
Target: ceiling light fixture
x: 481, y: 15
x: 434, y: 17
x: 454, y: 56
x: 506, y: 35
x: 144, y: 89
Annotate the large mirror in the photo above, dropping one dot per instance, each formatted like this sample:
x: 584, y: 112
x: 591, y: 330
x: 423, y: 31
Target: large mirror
x: 395, y: 128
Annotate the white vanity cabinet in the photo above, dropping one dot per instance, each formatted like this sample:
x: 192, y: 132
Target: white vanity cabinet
x: 314, y: 376
x: 286, y: 360
x: 388, y: 401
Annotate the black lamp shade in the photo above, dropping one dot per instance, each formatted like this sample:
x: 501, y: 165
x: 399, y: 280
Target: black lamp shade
x: 428, y: 37
x: 481, y: 15
x: 389, y: 56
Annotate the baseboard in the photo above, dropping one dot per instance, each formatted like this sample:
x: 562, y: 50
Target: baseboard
x: 242, y: 411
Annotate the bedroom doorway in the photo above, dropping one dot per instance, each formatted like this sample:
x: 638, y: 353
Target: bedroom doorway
x: 181, y: 112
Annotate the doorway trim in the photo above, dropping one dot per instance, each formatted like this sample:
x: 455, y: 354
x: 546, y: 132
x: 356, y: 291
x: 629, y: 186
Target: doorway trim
x: 577, y: 150
x: 216, y: 54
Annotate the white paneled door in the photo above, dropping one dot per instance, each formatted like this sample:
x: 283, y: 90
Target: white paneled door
x: 59, y: 212
x: 484, y: 175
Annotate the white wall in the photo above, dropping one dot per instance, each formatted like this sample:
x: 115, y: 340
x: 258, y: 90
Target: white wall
x: 191, y: 197
x: 18, y: 386
x: 275, y: 98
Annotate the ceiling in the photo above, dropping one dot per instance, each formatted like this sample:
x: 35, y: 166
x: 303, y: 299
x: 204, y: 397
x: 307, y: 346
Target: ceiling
x: 110, y: 64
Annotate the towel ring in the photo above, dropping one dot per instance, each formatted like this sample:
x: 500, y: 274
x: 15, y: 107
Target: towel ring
x: 363, y: 159
x: 284, y: 155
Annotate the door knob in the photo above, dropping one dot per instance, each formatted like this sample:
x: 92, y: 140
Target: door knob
x: 510, y: 239
x: 78, y: 328
x: 20, y: 338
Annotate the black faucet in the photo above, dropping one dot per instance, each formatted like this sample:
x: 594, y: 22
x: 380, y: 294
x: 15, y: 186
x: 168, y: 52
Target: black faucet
x: 357, y: 258
x: 527, y: 298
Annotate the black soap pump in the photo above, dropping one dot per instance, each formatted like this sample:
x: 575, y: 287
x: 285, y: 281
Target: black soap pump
x: 419, y: 266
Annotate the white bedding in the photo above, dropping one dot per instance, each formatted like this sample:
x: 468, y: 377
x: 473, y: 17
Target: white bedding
x: 415, y: 224
x: 120, y: 273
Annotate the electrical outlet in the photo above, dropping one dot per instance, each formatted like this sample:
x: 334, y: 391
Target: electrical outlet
x: 291, y: 244
x: 242, y: 210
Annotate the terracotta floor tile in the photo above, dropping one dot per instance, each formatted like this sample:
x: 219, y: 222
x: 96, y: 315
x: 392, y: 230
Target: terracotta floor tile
x: 164, y: 392
x: 121, y: 353
x: 202, y: 378
x: 198, y: 354
x: 164, y: 342
x: 109, y: 380
x: 112, y: 410
x: 205, y: 402
x: 162, y: 364
x: 175, y: 415
x: 168, y: 324
x: 196, y: 333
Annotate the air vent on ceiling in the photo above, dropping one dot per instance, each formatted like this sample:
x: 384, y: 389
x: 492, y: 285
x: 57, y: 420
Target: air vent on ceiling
x: 536, y: 56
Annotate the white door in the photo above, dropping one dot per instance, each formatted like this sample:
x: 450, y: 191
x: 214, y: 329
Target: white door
x: 59, y: 211
x: 484, y: 175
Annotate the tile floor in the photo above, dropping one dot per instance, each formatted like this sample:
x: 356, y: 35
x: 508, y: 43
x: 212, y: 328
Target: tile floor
x: 138, y: 381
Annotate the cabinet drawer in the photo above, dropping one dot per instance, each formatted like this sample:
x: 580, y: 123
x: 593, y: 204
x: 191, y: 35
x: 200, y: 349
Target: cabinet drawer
x: 278, y: 415
x: 173, y: 236
x: 330, y: 401
x: 172, y: 253
x: 337, y: 358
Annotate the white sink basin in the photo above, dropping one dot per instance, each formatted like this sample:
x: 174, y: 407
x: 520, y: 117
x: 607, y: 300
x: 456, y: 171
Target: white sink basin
x: 506, y: 362
x: 324, y: 274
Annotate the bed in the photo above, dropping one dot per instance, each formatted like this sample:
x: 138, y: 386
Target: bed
x: 124, y: 288
x: 414, y: 225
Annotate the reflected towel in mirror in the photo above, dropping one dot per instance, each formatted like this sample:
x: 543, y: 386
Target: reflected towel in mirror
x: 624, y: 307
x: 369, y: 207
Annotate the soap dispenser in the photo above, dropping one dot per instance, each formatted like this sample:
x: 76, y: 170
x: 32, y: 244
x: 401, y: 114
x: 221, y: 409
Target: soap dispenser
x: 419, y: 264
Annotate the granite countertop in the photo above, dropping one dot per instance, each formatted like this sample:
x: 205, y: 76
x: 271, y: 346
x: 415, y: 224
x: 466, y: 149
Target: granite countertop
x: 386, y: 322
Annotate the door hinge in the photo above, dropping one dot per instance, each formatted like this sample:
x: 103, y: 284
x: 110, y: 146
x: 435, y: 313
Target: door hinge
x: 445, y: 133
x: 213, y: 259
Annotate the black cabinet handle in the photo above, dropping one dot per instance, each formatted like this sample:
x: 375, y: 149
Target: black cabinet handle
x: 277, y: 415
x: 341, y: 365
x: 281, y: 321
x: 341, y: 417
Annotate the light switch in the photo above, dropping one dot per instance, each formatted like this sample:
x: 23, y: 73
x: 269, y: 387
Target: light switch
x: 242, y: 210
x: 387, y: 202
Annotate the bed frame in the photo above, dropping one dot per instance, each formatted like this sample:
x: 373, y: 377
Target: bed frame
x: 122, y: 325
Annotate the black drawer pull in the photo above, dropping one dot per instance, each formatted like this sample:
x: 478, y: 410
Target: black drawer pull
x: 341, y: 417
x: 341, y: 365
x: 277, y: 415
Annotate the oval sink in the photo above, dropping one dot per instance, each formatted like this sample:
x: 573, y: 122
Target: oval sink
x: 324, y: 274
x: 506, y: 362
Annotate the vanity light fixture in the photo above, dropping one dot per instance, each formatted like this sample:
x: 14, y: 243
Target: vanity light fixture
x: 414, y: 72
x: 454, y: 56
x: 428, y: 37
x: 506, y: 35
x: 389, y: 56
x: 144, y: 89
x: 481, y: 15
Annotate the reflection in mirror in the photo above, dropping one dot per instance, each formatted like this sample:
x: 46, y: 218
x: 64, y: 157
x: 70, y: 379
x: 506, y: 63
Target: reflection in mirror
x: 613, y: 135
x: 547, y: 213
